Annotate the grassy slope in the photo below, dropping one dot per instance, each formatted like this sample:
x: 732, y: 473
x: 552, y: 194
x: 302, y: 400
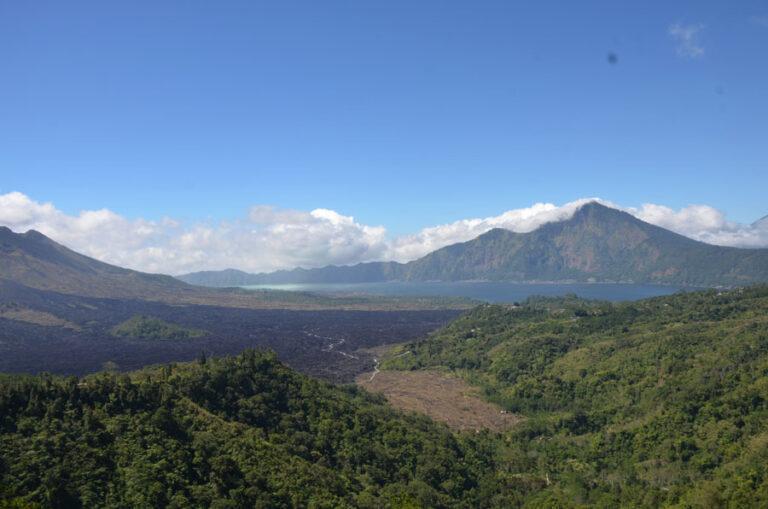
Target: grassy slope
x: 658, y: 402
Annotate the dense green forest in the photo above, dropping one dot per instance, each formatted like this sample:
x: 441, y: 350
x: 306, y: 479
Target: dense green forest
x: 656, y: 403
x: 235, y: 432
x: 662, y: 402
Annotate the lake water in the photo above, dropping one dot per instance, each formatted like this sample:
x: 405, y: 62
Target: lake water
x: 487, y: 291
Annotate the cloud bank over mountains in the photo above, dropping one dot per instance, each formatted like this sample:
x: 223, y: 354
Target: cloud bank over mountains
x: 270, y: 238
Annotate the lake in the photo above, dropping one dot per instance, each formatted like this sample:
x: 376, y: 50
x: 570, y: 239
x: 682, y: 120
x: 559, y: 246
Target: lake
x: 487, y: 291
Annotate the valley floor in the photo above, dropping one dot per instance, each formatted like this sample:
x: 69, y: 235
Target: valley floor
x: 73, y: 335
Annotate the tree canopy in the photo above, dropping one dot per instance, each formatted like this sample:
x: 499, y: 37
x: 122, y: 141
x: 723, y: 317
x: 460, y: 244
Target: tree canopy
x: 661, y: 402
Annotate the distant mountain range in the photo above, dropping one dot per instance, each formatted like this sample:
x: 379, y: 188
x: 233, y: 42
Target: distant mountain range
x: 33, y: 264
x: 35, y: 269
x: 597, y: 243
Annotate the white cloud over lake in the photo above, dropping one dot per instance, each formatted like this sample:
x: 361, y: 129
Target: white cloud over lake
x: 269, y: 238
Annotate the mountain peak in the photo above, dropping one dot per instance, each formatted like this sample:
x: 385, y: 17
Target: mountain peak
x: 594, y: 210
x: 34, y: 234
x: 593, y: 203
x: 495, y: 233
x: 596, y: 206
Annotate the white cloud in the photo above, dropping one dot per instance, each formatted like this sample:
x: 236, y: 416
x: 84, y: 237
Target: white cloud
x: 269, y: 238
x: 527, y: 219
x: 687, y: 39
x: 704, y: 223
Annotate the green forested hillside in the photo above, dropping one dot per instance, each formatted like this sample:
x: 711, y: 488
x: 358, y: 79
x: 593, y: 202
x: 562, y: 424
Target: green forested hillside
x: 236, y: 432
x: 662, y: 402
x: 598, y: 243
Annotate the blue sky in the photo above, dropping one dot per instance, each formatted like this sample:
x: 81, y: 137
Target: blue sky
x: 402, y: 114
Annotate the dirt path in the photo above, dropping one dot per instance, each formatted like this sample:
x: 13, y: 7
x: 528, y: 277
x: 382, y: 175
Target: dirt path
x: 333, y: 343
x: 375, y: 369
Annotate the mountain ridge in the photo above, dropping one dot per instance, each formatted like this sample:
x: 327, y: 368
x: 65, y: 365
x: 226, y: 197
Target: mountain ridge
x: 36, y: 261
x: 597, y: 244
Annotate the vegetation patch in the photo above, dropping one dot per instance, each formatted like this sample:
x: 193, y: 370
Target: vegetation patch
x: 36, y: 317
x: 147, y: 327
